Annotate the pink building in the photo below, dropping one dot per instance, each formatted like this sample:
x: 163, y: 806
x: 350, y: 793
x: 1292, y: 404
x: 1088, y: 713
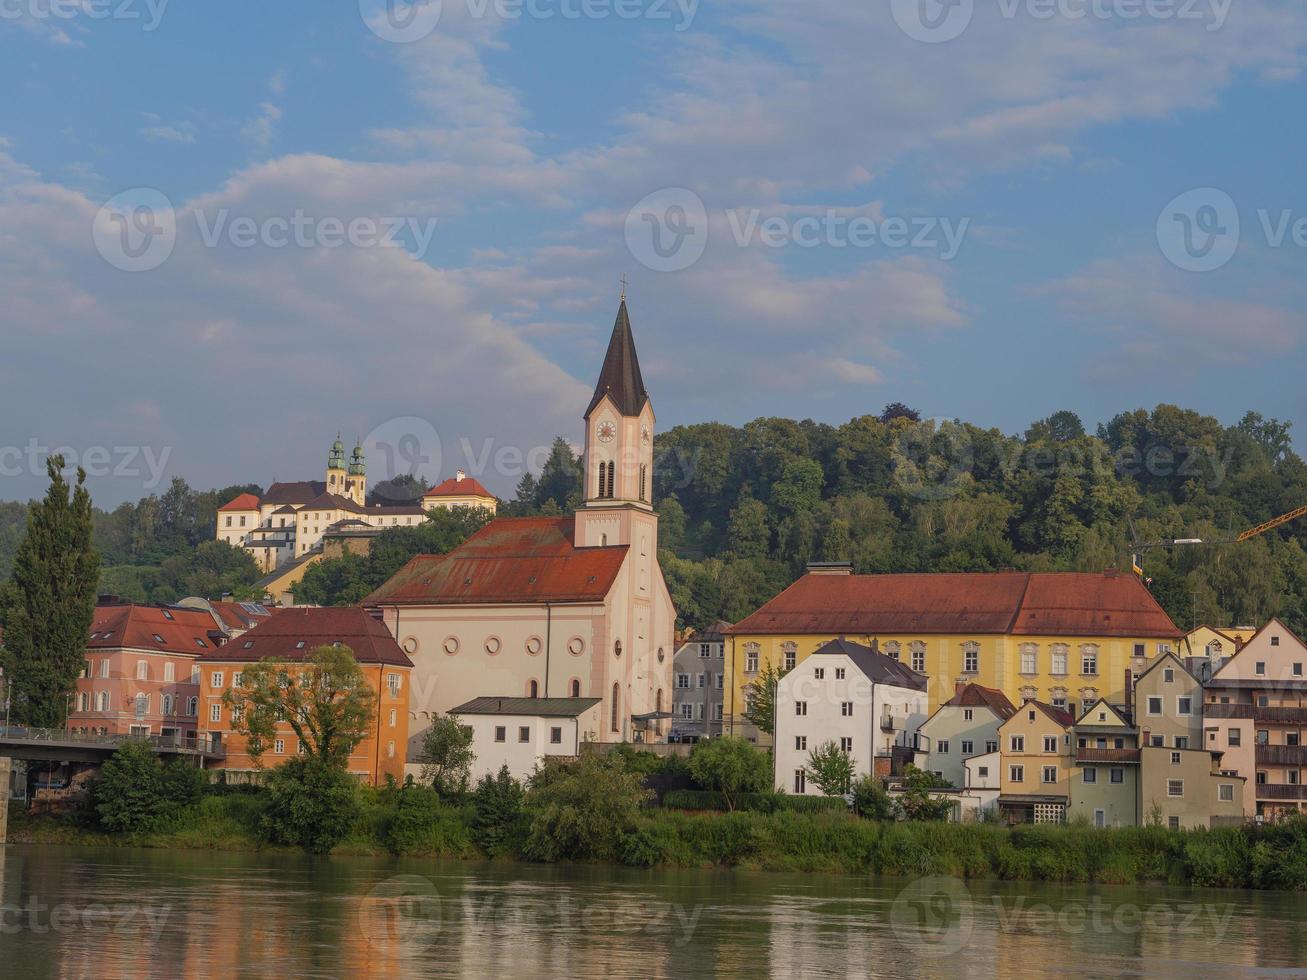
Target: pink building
x: 141, y: 674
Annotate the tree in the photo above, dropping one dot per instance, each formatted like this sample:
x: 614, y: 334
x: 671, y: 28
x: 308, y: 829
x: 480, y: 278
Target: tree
x: 136, y: 792
x: 915, y: 802
x: 897, y: 410
x: 325, y: 699
x: 730, y: 766
x: 312, y: 804
x: 404, y: 489
x: 498, y: 803
x: 830, y: 768
x: 870, y: 799
x: 560, y: 478
x: 760, y: 698
x: 582, y: 810
x: 446, y: 756
x: 747, y: 533
x: 47, y: 605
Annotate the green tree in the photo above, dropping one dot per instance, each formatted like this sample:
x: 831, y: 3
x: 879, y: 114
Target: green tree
x: 498, y: 802
x: 871, y: 801
x: 312, y: 803
x: 325, y: 699
x: 136, y: 792
x: 747, y: 533
x: 560, y: 478
x: 830, y: 768
x: 446, y: 756
x: 760, y: 698
x: 583, y: 810
x: 730, y: 766
x: 47, y: 605
x: 915, y: 802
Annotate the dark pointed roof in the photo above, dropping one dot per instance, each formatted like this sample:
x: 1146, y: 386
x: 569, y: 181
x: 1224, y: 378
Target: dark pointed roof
x: 620, y: 378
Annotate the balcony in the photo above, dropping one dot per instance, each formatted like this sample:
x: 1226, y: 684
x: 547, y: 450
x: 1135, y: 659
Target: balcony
x: 1281, y: 716
x: 1106, y: 755
x: 1281, y: 755
x: 888, y: 723
x: 1228, y: 710
x: 1281, y: 791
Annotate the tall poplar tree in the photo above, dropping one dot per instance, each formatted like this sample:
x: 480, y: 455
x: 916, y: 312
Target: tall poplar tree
x: 48, y: 603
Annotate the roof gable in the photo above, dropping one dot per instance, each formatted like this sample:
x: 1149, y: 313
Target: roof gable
x: 1260, y: 647
x: 454, y: 487
x: 293, y: 633
x: 167, y: 629
x: 1114, y: 716
x: 1062, y: 719
x: 874, y: 665
x: 979, y: 696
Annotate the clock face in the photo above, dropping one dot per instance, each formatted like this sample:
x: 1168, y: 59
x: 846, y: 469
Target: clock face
x: 607, y: 431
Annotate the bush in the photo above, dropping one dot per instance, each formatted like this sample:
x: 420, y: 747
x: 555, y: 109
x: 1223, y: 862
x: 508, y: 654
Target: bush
x: 424, y: 825
x: 497, y: 821
x: 311, y: 804
x: 581, y: 811
x: 698, y: 799
x: 870, y: 799
x: 137, y: 792
x: 730, y: 766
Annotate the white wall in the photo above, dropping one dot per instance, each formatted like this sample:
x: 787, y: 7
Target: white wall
x: 520, y: 757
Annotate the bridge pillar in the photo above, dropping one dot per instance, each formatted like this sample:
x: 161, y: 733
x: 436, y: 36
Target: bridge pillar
x: 6, y: 765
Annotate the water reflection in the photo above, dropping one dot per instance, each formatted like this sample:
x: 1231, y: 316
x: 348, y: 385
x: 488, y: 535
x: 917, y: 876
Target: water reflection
x: 120, y: 913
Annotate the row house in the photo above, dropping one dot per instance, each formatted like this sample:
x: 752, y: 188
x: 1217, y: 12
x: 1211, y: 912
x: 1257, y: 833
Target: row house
x: 869, y: 705
x: 698, y: 681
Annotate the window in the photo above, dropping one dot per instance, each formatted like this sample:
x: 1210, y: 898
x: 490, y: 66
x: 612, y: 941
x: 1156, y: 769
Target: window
x: 1297, y: 669
x: 918, y: 650
x: 1275, y: 641
x: 555, y: 735
x: 1182, y: 741
x: 1050, y: 743
x: 1261, y: 778
x: 1173, y: 823
x: 1090, y: 775
x: 1263, y: 737
x: 1050, y: 774
x: 215, y: 711
x: 1017, y: 743
x: 800, y: 780
x: 839, y: 673
x: 1184, y: 705
x: 800, y: 708
x: 717, y: 712
x: 751, y: 659
x: 942, y: 746
x: 394, y: 682
x: 1225, y: 792
x: 576, y: 688
x: 702, y: 681
x: 683, y: 681
x: 1157, y: 741
x: 1233, y: 736
x: 102, y: 701
x: 819, y: 673
x: 168, y: 671
x: 846, y: 744
x: 1139, y: 649
x: 104, y: 668
x: 84, y: 701
x: 1029, y: 658
x: 1016, y: 774
x: 1168, y: 675
x: 501, y: 733
x: 237, y: 679
x: 1175, y: 758
x: 846, y: 709
x: 687, y: 711
x: 968, y: 747
x: 524, y: 733
x: 705, y: 650
x: 1260, y: 668
x: 1089, y: 659
x: 615, y: 722
x: 892, y: 649
x: 966, y: 714
x: 533, y: 689
x: 166, y: 702
x: 192, y: 706
x: 215, y: 679
x: 1175, y: 787
x: 982, y: 772
x: 801, y: 743
x: 1290, y: 738
x: 142, y: 670
x: 1154, y: 704
x: 393, y: 718
x: 791, y: 654
x: 1118, y: 776
x: 279, y: 746
x: 970, y: 657
x: 195, y: 674
x: 991, y: 745
x: 1059, y: 657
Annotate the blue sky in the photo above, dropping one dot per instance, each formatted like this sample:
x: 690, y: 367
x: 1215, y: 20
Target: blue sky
x: 520, y: 140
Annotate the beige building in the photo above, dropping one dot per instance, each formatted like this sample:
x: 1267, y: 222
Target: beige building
x: 1169, y: 705
x: 460, y: 490
x: 1105, y: 773
x: 1184, y: 788
x: 1035, y: 745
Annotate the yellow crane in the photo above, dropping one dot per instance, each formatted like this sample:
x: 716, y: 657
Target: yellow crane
x: 1273, y: 523
x: 1136, y: 559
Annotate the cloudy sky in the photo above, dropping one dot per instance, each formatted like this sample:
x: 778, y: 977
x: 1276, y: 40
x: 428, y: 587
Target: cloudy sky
x: 228, y: 230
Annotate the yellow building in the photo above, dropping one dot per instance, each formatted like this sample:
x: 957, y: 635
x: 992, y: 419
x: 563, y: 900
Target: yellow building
x: 1216, y: 644
x: 1035, y: 746
x: 1065, y: 638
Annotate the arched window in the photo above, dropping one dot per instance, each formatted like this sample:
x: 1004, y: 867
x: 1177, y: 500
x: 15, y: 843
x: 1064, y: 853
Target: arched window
x: 617, y: 708
x: 612, y: 478
x: 103, y: 701
x: 790, y: 655
x: 576, y: 688
x: 1029, y: 658
x: 167, y: 704
x: 533, y: 689
x: 83, y: 701
x: 142, y: 704
x: 192, y: 706
x: 643, y: 473
x: 892, y: 649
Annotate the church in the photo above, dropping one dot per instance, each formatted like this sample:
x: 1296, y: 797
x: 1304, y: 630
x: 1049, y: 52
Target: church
x: 553, y: 607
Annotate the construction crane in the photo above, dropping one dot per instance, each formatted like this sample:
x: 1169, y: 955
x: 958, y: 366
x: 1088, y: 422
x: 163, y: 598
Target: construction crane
x: 1136, y: 559
x: 1272, y: 524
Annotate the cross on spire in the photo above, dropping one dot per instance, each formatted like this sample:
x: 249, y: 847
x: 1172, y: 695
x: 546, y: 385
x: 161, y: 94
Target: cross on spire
x: 623, y: 287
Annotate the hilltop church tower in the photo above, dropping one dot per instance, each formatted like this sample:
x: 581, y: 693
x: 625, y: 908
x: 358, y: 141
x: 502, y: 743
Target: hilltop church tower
x: 356, y: 480
x: 336, y: 467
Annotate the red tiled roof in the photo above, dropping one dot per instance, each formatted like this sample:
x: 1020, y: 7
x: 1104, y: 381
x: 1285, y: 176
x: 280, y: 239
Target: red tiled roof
x: 510, y: 560
x: 236, y: 615
x: 979, y: 696
x: 246, y: 501
x: 334, y: 501
x: 187, y: 631
x: 282, y: 635
x: 454, y: 487
x: 294, y: 493
x: 1052, y: 603
x: 1059, y: 715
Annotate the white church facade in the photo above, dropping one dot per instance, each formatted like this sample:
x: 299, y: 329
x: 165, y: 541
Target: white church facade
x: 554, y: 607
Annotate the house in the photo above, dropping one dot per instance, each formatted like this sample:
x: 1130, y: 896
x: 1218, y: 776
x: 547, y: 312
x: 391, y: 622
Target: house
x: 982, y: 780
x: 1035, y: 743
x: 1168, y: 699
x: 699, y: 680
x: 966, y: 725
x: 1215, y: 644
x: 291, y: 636
x: 522, y: 733
x: 460, y: 490
x: 1183, y: 788
x: 1064, y: 638
x: 141, y: 670
x: 563, y: 606
x: 1104, y: 776
x: 866, y: 703
x: 1255, y: 715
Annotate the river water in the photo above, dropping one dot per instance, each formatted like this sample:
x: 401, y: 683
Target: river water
x: 79, y: 912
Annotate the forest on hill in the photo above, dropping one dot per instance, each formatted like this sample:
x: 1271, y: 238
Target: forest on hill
x: 744, y: 508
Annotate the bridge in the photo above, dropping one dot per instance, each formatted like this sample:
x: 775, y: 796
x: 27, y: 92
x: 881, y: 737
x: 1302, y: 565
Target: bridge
x: 58, y: 745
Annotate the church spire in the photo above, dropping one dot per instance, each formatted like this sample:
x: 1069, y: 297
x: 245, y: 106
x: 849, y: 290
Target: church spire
x: 620, y: 377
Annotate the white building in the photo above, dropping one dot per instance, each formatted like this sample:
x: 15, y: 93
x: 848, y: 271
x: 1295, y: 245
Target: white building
x: 854, y: 696
x: 964, y: 726
x: 522, y: 732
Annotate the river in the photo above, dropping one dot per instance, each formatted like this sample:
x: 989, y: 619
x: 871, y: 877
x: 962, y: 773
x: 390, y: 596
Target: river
x: 82, y: 912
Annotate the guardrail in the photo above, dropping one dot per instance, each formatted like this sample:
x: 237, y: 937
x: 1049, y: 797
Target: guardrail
x: 200, y: 744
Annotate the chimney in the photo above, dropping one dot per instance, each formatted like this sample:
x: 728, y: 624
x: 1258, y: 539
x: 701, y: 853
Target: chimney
x: 958, y: 688
x: 459, y: 475
x: 830, y: 568
x: 1129, y: 689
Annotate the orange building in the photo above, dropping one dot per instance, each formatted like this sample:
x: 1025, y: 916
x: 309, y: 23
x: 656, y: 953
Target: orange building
x: 291, y: 636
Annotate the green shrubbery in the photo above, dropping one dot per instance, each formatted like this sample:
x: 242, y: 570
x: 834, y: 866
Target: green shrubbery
x: 311, y: 804
x: 137, y: 792
x: 702, y: 799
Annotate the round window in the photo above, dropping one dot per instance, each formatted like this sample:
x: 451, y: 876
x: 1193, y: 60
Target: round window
x: 661, y: 656
x: 576, y: 646
x: 493, y: 645
x: 617, y: 649
x: 451, y: 645
x: 534, y: 645
x: 410, y: 644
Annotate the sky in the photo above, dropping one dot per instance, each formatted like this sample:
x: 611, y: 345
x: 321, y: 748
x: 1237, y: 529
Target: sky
x: 230, y: 230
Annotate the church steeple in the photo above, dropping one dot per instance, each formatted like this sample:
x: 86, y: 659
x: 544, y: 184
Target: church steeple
x: 620, y: 378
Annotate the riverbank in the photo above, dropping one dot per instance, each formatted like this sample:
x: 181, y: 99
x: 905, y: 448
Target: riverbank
x: 1266, y: 857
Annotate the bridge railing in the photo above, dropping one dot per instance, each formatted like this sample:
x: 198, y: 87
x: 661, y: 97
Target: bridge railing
x: 200, y: 744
